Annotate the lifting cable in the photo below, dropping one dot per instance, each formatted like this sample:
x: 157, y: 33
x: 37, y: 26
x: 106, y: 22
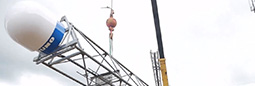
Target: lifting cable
x: 111, y: 23
x: 110, y: 46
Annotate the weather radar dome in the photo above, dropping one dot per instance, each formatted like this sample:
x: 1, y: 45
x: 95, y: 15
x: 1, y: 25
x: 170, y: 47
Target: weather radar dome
x: 34, y: 27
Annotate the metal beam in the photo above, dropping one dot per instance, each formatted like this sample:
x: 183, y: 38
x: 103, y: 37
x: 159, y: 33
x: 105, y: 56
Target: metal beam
x: 64, y: 74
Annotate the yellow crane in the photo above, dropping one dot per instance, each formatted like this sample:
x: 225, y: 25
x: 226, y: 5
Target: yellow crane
x: 162, y: 59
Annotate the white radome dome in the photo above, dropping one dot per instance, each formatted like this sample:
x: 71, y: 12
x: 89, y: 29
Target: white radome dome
x: 32, y: 25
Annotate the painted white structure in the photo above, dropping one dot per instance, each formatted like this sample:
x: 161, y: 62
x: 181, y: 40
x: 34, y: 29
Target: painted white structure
x: 34, y: 27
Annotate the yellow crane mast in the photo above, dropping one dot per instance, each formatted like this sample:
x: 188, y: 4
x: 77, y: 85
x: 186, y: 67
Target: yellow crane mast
x: 160, y: 44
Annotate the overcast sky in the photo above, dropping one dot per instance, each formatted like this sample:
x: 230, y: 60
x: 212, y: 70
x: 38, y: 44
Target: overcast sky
x: 206, y: 42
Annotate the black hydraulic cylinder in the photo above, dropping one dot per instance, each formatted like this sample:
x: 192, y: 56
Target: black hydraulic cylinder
x: 157, y: 27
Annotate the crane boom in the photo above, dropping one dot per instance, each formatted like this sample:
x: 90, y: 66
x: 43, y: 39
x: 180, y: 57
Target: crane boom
x: 160, y: 44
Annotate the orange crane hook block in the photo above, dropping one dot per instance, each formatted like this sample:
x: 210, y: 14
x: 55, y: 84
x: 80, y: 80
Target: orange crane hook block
x: 111, y: 23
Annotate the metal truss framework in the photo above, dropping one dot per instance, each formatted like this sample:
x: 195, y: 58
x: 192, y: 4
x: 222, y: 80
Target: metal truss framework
x: 156, y: 68
x: 98, y: 68
x: 252, y: 5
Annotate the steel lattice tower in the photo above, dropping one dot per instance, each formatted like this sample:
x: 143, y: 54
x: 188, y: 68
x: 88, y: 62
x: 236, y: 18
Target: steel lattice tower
x: 156, y: 68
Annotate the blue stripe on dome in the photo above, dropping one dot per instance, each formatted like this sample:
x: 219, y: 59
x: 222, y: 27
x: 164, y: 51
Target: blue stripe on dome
x: 54, y: 39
